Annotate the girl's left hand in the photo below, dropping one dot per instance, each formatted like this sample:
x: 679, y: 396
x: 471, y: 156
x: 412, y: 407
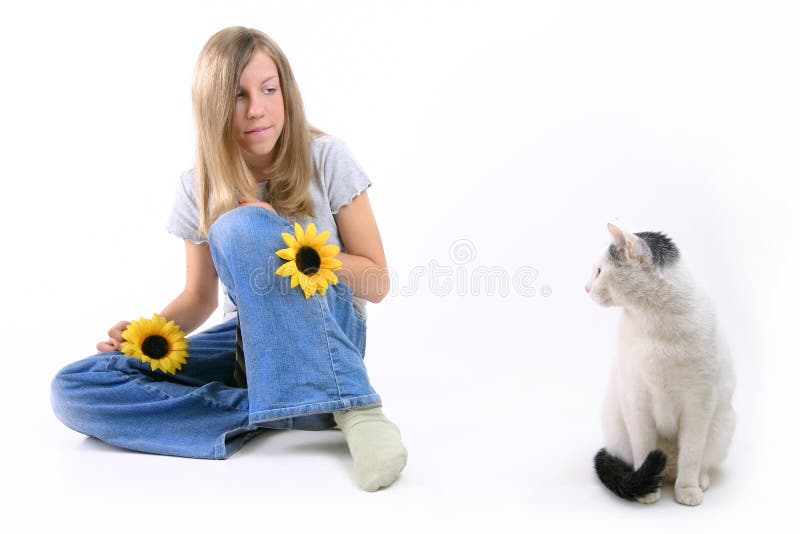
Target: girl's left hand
x: 245, y: 201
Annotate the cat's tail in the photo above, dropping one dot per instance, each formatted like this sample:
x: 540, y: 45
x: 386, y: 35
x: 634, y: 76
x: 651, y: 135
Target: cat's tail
x: 619, y: 476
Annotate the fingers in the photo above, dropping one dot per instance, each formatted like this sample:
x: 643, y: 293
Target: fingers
x: 116, y: 331
x: 106, y: 346
x: 114, y: 340
x: 255, y: 202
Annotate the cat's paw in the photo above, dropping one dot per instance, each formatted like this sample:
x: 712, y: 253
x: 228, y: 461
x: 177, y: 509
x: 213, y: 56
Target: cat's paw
x: 705, y: 481
x: 650, y: 498
x: 689, y: 495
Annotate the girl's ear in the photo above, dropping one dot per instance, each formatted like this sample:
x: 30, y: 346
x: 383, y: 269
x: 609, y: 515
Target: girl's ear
x: 625, y: 242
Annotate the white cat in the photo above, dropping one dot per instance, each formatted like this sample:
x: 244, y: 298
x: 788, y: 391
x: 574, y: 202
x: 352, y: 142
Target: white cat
x: 667, y: 411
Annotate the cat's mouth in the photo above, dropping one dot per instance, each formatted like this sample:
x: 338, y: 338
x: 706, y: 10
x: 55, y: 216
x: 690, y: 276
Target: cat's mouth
x: 601, y: 298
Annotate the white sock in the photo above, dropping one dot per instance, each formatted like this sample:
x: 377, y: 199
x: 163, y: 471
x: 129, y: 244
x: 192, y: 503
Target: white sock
x: 374, y: 441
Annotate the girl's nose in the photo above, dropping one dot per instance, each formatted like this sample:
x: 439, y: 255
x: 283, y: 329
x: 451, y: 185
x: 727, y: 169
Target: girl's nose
x: 255, y: 111
x: 256, y: 108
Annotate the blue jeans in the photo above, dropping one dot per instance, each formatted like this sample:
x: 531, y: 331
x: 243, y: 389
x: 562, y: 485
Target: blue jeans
x: 303, y: 359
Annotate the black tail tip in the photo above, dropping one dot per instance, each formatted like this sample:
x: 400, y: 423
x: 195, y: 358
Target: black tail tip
x: 619, y: 476
x: 655, y: 462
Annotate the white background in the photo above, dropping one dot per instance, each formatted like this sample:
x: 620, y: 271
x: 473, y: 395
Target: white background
x: 507, y: 131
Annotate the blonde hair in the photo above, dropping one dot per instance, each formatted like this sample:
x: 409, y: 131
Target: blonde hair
x: 220, y: 169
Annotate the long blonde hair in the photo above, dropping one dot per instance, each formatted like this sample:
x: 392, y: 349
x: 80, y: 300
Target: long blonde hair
x: 220, y: 169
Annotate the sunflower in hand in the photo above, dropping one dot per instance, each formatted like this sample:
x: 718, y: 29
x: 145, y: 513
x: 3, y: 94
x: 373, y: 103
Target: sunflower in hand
x: 163, y: 344
x: 310, y: 261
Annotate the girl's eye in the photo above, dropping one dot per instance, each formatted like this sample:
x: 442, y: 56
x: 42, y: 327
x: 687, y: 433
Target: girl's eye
x: 266, y: 90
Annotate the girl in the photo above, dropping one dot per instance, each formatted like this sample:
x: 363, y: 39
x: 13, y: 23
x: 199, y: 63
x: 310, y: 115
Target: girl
x: 297, y: 361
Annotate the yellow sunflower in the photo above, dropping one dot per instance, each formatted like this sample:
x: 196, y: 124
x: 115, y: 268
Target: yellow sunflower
x: 157, y: 341
x: 311, y: 262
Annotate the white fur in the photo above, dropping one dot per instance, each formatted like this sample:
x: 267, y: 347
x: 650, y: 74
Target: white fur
x: 672, y: 380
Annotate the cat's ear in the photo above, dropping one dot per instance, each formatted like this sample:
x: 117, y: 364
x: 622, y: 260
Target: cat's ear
x: 626, y: 243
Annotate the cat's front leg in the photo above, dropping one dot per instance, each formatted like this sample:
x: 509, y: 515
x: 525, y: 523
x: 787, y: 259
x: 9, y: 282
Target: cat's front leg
x: 644, y: 439
x: 642, y: 432
x: 692, y: 435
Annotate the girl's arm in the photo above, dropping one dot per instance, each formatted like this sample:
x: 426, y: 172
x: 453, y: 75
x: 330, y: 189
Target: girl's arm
x: 198, y: 300
x: 192, y: 307
x: 364, y: 265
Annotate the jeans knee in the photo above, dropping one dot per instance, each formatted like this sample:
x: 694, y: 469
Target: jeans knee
x: 238, y: 222
x: 59, y: 395
x: 68, y: 387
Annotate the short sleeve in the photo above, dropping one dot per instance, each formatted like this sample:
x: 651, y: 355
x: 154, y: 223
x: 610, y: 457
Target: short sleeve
x: 343, y: 177
x: 184, y: 219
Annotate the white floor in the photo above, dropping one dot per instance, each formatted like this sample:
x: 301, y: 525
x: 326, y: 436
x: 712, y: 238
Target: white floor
x: 462, y: 474
x: 493, y: 444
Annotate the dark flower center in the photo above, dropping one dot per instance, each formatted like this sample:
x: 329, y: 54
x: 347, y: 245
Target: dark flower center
x: 308, y: 260
x: 155, y: 347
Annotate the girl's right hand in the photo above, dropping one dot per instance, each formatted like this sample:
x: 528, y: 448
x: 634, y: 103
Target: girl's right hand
x: 114, y: 337
x: 244, y: 201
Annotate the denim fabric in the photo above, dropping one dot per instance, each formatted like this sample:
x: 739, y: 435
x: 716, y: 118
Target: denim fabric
x: 304, y: 360
x: 315, y: 346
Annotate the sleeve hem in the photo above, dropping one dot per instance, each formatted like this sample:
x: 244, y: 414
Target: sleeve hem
x: 192, y: 239
x: 350, y: 201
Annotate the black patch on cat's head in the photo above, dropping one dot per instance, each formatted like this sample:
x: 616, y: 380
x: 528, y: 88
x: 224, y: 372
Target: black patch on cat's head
x: 662, y: 248
x: 615, y: 255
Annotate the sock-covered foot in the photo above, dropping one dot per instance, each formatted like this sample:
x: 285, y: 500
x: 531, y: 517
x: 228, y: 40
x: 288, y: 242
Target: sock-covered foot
x: 374, y: 441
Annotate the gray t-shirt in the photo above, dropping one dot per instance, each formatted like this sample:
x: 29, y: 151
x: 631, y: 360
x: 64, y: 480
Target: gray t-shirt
x: 337, y: 179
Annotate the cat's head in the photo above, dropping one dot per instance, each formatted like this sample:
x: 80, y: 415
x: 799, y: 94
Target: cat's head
x: 632, y: 267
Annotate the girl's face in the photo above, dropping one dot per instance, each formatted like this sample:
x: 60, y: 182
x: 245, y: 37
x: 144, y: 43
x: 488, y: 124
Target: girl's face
x: 258, y: 118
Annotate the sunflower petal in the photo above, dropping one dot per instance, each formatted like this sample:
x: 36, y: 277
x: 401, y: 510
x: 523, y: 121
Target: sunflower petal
x: 328, y: 251
x: 174, y: 333
x: 319, y: 283
x: 330, y: 263
x: 128, y: 348
x: 295, y: 279
x: 305, y: 283
x: 329, y: 276
x: 287, y: 269
x: 298, y: 233
x: 321, y: 238
x: 289, y: 240
x: 132, y: 333
x: 174, y: 337
x: 311, y: 233
x: 286, y: 253
x: 179, y: 345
